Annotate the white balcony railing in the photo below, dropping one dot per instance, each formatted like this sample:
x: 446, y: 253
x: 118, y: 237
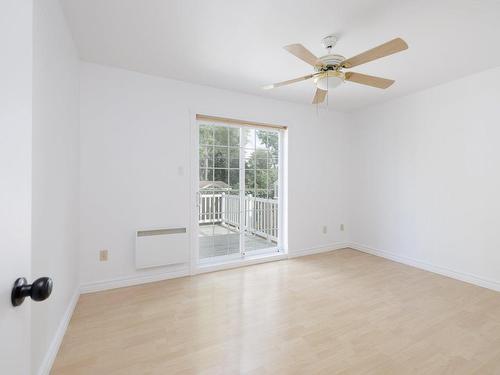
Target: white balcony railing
x: 260, y: 215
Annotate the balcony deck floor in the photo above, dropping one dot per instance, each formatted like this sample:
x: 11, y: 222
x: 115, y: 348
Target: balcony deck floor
x: 217, y: 240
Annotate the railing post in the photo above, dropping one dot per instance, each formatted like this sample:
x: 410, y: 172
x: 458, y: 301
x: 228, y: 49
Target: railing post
x: 223, y: 208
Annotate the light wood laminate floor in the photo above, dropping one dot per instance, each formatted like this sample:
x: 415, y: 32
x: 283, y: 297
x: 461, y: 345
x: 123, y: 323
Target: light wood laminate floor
x: 343, y: 312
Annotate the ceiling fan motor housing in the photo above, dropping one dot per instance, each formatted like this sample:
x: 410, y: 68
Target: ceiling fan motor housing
x: 330, y: 62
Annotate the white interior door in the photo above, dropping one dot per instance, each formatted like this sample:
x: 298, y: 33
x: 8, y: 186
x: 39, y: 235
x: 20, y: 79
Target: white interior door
x: 15, y: 181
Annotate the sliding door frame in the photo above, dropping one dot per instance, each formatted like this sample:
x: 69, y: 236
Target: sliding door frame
x: 256, y: 255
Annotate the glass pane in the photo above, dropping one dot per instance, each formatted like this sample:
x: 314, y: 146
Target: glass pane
x: 261, y: 159
x: 261, y: 179
x: 220, y: 175
x: 272, y: 162
x: 261, y: 139
x: 234, y: 157
x: 250, y: 179
x: 221, y: 135
x: 261, y: 193
x: 221, y: 157
x: 219, y: 217
x: 206, y: 174
x: 249, y: 138
x: 273, y: 141
x: 234, y: 137
x: 273, y: 178
x: 249, y: 193
x: 206, y: 135
x: 206, y: 157
x: 234, y: 178
x: 249, y: 159
x: 234, y: 192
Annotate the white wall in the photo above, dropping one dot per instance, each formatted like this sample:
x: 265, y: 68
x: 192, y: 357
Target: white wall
x: 135, y: 134
x: 424, y: 178
x: 15, y: 180
x: 55, y: 221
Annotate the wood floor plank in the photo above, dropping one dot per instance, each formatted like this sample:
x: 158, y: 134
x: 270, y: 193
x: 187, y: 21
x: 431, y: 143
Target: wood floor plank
x: 343, y: 312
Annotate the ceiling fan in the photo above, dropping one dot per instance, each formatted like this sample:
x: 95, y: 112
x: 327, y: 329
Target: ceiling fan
x: 329, y: 68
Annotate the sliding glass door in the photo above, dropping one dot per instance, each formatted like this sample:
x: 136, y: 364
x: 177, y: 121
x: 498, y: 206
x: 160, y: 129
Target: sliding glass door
x: 238, y: 199
x: 260, y: 198
x: 219, y: 191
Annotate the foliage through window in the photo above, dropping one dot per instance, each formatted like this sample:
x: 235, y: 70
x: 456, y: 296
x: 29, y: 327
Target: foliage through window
x: 220, y: 150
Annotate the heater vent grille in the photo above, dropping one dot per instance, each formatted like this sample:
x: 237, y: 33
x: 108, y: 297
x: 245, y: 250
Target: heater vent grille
x: 161, y: 247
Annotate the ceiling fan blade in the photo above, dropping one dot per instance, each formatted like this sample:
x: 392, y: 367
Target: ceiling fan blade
x: 386, y: 49
x: 279, y: 84
x: 303, y: 53
x: 364, y: 79
x: 320, y: 96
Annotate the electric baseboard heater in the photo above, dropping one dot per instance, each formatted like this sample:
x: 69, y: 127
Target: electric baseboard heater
x: 161, y: 247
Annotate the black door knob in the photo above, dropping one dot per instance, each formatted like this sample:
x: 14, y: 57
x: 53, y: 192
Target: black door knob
x: 38, y: 291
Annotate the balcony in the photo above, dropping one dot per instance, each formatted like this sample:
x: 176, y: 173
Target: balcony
x: 223, y: 217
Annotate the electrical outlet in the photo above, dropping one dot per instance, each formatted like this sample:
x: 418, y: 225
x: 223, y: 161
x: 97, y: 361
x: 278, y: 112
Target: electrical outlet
x: 103, y: 255
x: 341, y: 227
x: 325, y: 229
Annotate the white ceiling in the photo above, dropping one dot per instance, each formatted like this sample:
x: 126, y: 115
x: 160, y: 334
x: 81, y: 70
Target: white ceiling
x: 237, y: 44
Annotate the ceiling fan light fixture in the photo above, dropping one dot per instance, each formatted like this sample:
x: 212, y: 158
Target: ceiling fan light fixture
x: 329, y: 80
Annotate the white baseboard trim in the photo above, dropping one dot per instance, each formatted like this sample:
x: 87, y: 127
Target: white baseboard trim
x: 51, y: 354
x: 122, y: 282
x: 459, y: 275
x: 317, y: 250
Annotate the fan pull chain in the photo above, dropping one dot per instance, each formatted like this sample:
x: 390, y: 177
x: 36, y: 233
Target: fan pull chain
x: 327, y: 90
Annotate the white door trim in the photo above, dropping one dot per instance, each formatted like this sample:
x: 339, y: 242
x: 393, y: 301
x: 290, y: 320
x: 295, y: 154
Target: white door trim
x: 194, y: 266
